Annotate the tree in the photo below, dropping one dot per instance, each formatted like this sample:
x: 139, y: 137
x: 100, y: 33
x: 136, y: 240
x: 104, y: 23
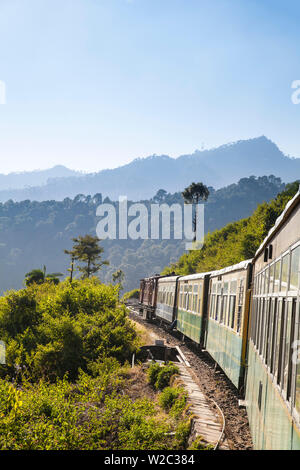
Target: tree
x: 118, y: 276
x: 160, y: 196
x: 71, y: 253
x: 39, y: 276
x: 86, y: 249
x: 192, y: 195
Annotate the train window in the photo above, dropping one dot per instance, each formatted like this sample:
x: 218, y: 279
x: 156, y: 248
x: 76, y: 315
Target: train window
x: 231, y: 310
x: 239, y: 319
x: 263, y: 282
x: 233, y: 287
x: 225, y: 288
x: 253, y: 319
x: 258, y: 323
x: 278, y: 346
x: 180, y: 296
x: 271, y: 283
x: 271, y: 335
x: 266, y: 333
x: 214, y: 287
x: 285, y: 272
x: 257, y: 285
x: 267, y: 274
x: 224, y: 309
x: 286, y: 349
x: 295, y: 262
x: 241, y: 292
x: 218, y: 307
x: 185, y: 296
x: 190, y: 294
x: 212, y: 305
x: 297, y: 361
x: 277, y: 275
x: 262, y: 325
x: 195, y: 297
x: 200, y: 298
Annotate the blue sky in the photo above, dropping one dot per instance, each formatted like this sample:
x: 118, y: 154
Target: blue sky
x: 92, y: 84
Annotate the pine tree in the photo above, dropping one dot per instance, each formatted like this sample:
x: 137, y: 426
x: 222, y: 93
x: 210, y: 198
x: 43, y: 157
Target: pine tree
x: 86, y: 249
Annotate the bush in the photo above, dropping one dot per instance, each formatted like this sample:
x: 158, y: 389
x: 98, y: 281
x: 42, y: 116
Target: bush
x: 199, y: 444
x: 168, y: 397
x: 53, y: 330
x: 159, y: 376
x: 173, y: 400
x: 152, y: 373
x: 182, y: 433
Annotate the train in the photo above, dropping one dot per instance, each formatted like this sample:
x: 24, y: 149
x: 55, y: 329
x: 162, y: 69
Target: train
x: 247, y: 318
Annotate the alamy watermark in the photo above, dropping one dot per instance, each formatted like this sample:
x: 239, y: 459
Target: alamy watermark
x: 296, y: 94
x: 2, y: 92
x: 154, y: 221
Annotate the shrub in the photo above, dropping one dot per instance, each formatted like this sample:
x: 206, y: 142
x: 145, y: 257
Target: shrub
x: 182, y: 433
x: 168, y: 397
x: 159, y: 376
x: 173, y: 400
x: 164, y: 376
x: 53, y: 330
x: 152, y: 373
x: 199, y: 444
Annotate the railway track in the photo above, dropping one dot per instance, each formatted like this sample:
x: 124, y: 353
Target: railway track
x: 213, y: 383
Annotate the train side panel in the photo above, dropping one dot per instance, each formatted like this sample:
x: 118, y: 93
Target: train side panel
x: 227, y: 321
x: 273, y: 379
x: 148, y: 296
x: 192, y: 305
x: 166, y: 299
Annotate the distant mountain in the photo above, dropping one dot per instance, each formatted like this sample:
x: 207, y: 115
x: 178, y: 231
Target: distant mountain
x: 35, y: 178
x: 141, y: 178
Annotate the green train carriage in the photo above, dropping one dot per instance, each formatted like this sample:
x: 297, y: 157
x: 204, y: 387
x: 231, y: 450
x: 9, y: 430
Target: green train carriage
x: 273, y: 379
x: 192, y: 306
x: 227, y: 322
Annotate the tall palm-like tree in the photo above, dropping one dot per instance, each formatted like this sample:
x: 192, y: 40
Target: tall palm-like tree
x: 192, y: 195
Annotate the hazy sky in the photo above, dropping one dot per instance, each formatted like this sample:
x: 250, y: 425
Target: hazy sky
x: 92, y: 84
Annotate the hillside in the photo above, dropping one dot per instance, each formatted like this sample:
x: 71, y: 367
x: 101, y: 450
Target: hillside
x: 34, y: 234
x: 141, y: 178
x: 34, y: 178
x: 236, y: 241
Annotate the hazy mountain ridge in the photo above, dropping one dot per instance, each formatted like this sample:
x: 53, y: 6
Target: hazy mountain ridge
x: 19, y: 180
x: 33, y: 234
x: 142, y: 177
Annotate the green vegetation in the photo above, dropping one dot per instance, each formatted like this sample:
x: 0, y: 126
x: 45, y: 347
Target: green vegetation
x: 86, y: 249
x: 173, y: 400
x: 67, y: 383
x: 38, y: 276
x: 236, y: 241
x: 94, y: 413
x: 159, y: 376
x: 132, y: 294
x: 52, y: 329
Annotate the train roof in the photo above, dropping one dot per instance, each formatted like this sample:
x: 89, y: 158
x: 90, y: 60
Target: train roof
x: 190, y: 277
x: 280, y: 221
x: 236, y: 267
x: 168, y: 279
